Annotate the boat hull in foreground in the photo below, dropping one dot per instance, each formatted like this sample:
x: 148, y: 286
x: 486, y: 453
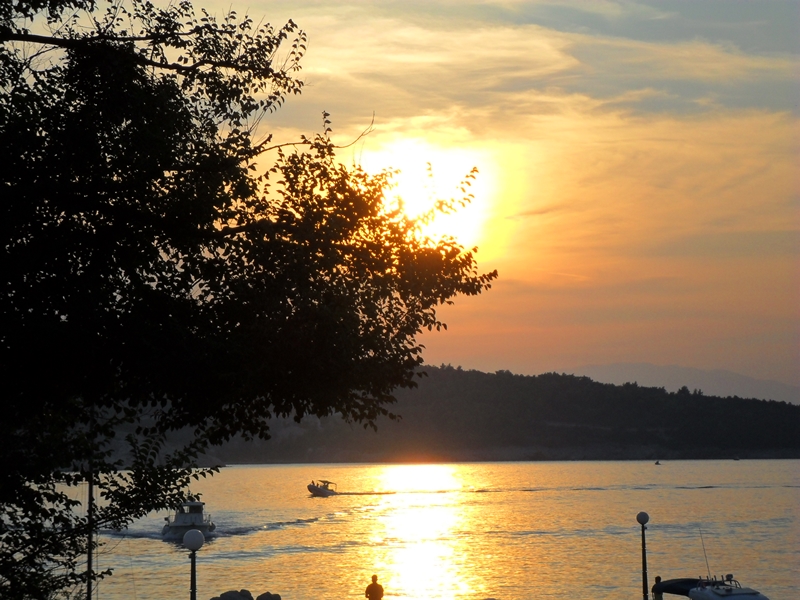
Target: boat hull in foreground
x: 723, y: 591
x: 708, y: 589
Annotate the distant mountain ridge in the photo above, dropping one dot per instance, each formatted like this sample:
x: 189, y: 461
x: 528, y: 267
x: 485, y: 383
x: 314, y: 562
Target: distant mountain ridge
x: 716, y: 382
x: 458, y: 415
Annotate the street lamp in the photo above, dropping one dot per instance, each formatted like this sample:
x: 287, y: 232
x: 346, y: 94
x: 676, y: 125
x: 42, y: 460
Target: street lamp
x: 193, y: 540
x: 642, y: 519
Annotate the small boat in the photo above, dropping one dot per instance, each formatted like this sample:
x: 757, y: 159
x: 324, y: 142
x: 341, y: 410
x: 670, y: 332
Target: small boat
x: 707, y: 589
x: 714, y: 589
x: 188, y: 515
x: 322, y: 488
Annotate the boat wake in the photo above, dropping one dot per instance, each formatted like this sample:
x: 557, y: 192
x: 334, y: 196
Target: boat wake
x: 364, y: 493
x: 132, y: 534
x: 218, y: 532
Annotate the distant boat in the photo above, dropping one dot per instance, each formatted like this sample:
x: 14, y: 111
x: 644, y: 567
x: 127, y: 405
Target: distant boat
x: 188, y: 515
x: 708, y: 589
x: 322, y: 488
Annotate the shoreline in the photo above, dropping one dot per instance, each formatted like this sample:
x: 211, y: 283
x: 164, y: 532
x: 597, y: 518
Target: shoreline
x: 329, y: 456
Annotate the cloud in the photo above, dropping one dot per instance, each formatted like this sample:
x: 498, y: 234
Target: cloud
x: 398, y: 65
x: 492, y: 67
x: 537, y: 212
x: 642, y: 157
x: 731, y: 245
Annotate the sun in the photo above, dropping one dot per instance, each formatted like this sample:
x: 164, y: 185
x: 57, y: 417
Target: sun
x: 428, y: 172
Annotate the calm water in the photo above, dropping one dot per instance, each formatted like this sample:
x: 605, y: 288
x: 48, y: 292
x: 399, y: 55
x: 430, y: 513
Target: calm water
x: 477, y: 530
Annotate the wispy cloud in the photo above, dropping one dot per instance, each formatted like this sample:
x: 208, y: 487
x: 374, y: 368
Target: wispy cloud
x: 644, y: 200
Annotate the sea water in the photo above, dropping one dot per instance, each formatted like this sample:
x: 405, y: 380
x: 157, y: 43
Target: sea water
x: 474, y: 531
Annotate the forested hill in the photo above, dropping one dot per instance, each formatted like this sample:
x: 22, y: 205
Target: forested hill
x: 468, y: 415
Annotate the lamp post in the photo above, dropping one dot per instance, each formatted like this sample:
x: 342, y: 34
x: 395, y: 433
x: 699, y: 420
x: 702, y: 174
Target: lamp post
x: 642, y: 519
x: 193, y: 540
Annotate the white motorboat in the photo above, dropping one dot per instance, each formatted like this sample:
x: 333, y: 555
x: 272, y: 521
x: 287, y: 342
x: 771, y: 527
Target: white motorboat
x: 188, y: 515
x: 714, y: 589
x: 707, y: 589
x: 322, y: 488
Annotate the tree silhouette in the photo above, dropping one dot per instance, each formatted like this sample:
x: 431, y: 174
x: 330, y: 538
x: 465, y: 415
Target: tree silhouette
x: 158, y: 277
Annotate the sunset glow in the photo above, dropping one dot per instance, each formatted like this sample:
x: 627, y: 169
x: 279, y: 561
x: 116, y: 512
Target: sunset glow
x: 637, y: 188
x: 400, y: 300
x: 425, y: 173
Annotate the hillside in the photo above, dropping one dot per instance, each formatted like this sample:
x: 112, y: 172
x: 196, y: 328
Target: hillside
x: 714, y: 382
x: 457, y: 415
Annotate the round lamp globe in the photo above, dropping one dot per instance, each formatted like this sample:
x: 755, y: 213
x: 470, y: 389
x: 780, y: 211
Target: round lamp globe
x: 193, y: 539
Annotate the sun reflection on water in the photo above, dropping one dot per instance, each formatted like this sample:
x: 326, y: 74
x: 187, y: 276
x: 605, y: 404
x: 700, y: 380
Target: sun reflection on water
x: 510, y: 531
x: 419, y: 527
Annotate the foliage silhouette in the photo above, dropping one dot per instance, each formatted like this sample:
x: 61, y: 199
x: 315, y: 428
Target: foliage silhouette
x: 158, y: 278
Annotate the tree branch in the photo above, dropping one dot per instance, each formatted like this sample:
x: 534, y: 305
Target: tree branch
x: 8, y: 36
x: 369, y: 129
x: 263, y: 225
x: 262, y: 147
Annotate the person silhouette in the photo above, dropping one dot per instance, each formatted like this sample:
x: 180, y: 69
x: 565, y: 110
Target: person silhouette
x: 657, y: 595
x: 374, y: 589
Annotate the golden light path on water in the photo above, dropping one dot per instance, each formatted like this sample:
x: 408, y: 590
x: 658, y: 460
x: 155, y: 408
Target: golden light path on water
x: 472, y: 531
x: 425, y: 548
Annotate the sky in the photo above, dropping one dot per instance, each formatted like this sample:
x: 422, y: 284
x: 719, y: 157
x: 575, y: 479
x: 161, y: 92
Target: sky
x: 638, y: 187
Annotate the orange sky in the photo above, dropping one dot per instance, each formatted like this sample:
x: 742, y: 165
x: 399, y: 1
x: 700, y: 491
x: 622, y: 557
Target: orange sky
x: 639, y: 186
